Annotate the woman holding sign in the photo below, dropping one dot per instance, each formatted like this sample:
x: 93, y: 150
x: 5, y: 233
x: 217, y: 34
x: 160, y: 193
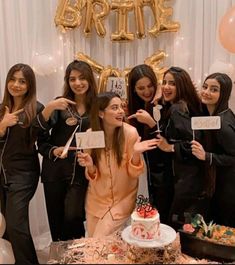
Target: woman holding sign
x: 219, y: 149
x: 63, y: 179
x: 19, y: 161
x: 148, y: 120
x: 189, y: 196
x: 112, y: 171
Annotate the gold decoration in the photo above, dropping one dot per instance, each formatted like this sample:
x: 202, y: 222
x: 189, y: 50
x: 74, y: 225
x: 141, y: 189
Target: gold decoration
x: 122, y: 7
x: 154, y: 61
x: 139, y: 19
x: 108, y: 71
x: 94, y: 65
x: 69, y: 15
x: 161, y: 15
x: 92, y: 16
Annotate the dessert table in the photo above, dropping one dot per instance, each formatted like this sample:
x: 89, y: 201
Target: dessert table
x: 113, y: 250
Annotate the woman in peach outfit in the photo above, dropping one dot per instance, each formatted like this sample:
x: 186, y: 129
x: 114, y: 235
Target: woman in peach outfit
x: 114, y: 170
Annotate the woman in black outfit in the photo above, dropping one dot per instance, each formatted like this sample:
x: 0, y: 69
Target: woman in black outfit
x: 63, y: 179
x: 142, y: 87
x: 19, y: 161
x: 218, y: 150
x: 190, y: 191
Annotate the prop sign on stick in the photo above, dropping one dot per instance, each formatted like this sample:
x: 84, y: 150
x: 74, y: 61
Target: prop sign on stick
x: 157, y: 116
x: 117, y: 85
x: 67, y: 145
x: 205, y: 123
x: 89, y: 140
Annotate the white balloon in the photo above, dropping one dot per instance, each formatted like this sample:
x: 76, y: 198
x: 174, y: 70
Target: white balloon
x: 2, y: 225
x: 6, y: 252
x: 44, y: 64
x: 222, y: 67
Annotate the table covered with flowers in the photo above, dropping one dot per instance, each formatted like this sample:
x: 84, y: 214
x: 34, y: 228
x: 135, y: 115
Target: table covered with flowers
x: 113, y: 250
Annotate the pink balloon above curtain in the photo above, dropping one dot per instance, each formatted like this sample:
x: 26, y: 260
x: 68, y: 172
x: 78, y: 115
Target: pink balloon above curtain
x: 227, y: 30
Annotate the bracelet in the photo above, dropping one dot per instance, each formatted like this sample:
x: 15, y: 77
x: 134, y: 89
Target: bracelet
x: 210, y: 159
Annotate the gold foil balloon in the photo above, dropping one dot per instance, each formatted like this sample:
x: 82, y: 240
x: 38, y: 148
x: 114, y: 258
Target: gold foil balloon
x: 139, y: 19
x: 154, y: 61
x: 227, y: 30
x: 162, y: 21
x: 93, y: 17
x: 94, y: 65
x: 67, y: 15
x: 122, y: 7
x: 106, y: 73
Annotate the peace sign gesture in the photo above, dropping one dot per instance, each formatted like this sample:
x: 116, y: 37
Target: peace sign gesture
x: 10, y: 119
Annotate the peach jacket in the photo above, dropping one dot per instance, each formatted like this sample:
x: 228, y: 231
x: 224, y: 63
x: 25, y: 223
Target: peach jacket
x: 115, y: 188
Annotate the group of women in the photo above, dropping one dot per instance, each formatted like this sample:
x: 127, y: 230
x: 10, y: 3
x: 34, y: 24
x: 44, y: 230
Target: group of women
x: 188, y: 172
x: 191, y: 172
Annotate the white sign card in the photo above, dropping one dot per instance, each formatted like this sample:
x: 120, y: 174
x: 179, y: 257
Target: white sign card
x: 67, y: 145
x: 206, y: 123
x: 89, y: 140
x: 117, y: 85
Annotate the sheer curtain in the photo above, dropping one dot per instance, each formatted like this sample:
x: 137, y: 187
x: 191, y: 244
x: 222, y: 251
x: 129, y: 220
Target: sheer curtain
x: 28, y: 34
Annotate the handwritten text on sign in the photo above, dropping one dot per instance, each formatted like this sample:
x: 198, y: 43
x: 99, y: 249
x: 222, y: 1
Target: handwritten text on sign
x: 117, y: 85
x: 206, y: 123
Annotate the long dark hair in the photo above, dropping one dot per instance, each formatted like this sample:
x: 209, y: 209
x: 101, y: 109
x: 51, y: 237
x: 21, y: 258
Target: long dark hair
x: 134, y: 101
x: 185, y: 90
x: 138, y: 72
x: 29, y: 101
x: 225, y: 90
x: 101, y: 103
x: 85, y: 69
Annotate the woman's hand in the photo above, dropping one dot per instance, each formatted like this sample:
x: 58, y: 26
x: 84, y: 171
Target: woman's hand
x: 158, y: 95
x: 198, y: 150
x: 164, y: 145
x: 143, y: 116
x: 9, y: 120
x: 85, y: 160
x: 56, y: 104
x: 140, y: 147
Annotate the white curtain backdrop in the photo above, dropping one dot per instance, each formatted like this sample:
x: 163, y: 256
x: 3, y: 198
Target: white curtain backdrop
x: 28, y: 34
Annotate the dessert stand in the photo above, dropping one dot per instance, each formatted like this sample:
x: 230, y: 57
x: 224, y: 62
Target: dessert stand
x: 167, y: 236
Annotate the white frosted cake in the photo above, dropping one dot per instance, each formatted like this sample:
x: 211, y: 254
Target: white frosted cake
x: 145, y: 225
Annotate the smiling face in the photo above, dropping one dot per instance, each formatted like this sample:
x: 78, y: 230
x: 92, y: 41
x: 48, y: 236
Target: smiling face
x: 210, y: 93
x: 17, y: 85
x: 168, y: 88
x: 145, y: 89
x: 113, y: 114
x: 79, y: 85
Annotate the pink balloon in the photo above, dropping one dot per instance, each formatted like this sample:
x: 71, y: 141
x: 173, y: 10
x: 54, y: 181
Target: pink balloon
x: 227, y: 30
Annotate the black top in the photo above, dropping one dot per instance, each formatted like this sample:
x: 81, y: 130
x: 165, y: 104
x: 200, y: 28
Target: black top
x: 57, y: 135
x: 19, y: 157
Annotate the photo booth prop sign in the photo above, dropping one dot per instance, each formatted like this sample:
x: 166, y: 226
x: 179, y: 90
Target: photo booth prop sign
x: 89, y: 140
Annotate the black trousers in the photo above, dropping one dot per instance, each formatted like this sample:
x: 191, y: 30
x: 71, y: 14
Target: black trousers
x: 65, y: 205
x: 15, y: 200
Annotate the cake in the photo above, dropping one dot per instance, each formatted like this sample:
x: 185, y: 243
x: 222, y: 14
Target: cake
x: 145, y: 222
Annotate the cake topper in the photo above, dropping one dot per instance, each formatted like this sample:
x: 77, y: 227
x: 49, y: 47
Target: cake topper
x: 143, y: 206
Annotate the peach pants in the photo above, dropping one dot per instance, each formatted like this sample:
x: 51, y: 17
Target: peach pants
x: 98, y: 227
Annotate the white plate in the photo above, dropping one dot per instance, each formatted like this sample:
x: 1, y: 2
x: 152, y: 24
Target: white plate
x: 167, y: 236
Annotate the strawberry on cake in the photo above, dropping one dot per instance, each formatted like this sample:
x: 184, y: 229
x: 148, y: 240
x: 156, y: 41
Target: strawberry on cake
x: 145, y: 221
